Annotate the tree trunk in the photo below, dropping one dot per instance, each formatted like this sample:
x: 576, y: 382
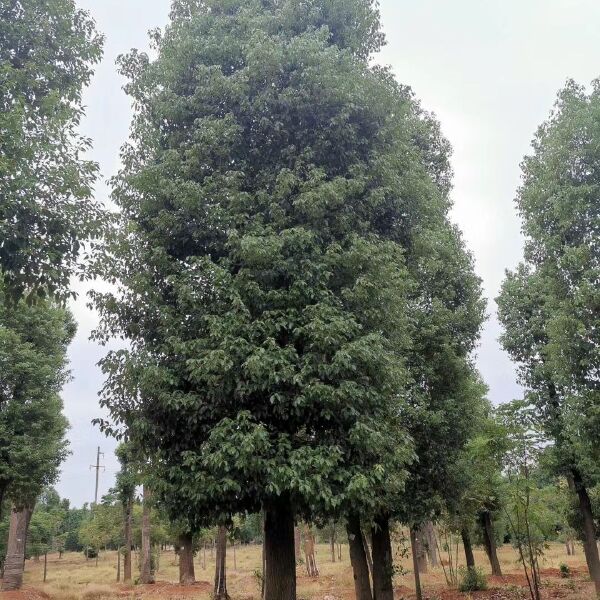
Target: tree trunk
x: 127, y: 535
x: 590, y: 546
x: 186, y: 560
x: 431, y: 545
x: 220, y: 592
x: 118, y: 565
x: 489, y: 540
x: 15, y: 550
x: 332, y: 543
x: 365, y: 542
x: 146, y: 571
x: 358, y: 559
x: 45, y: 565
x: 466, y: 538
x: 309, y: 553
x: 280, y: 562
x: 568, y: 545
x: 415, y: 553
x: 383, y: 562
x: 421, y: 550
x: 297, y: 544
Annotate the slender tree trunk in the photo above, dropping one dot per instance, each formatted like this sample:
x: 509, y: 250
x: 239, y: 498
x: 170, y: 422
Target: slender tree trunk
x: 358, y: 559
x: 280, y: 562
x: 45, y: 565
x: 365, y: 542
x: 432, y: 553
x: 297, y: 544
x: 332, y: 542
x: 118, y: 565
x: 127, y: 535
x: 590, y: 546
x: 15, y: 551
x: 186, y: 559
x: 489, y: 540
x: 466, y: 538
x: 309, y: 553
x: 415, y: 552
x: 146, y: 574
x: 204, y: 556
x: 220, y: 592
x: 421, y: 548
x: 383, y: 562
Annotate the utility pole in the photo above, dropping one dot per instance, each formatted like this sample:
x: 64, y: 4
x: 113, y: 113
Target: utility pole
x: 97, y: 466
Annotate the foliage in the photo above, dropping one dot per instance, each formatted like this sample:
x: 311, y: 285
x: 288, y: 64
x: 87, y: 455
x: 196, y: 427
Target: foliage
x: 33, y: 369
x: 47, y: 50
x: 471, y: 579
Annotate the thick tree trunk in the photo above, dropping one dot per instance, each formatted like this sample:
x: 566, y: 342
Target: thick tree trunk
x: 186, y: 559
x: 466, y: 538
x: 383, y: 562
x: 489, y: 540
x: 127, y: 516
x: 415, y: 552
x: 590, y: 546
x: 15, y: 551
x: 358, y: 559
x: 431, y: 545
x: 220, y: 592
x: 146, y: 571
x: 421, y: 550
x: 280, y: 562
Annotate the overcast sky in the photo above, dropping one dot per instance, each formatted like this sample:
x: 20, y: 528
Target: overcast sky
x: 489, y: 69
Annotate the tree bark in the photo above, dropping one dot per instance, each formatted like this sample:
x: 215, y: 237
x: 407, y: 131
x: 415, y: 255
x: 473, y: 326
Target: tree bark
x: 15, y: 551
x: 220, y: 592
x: 127, y: 535
x: 383, y: 562
x: 489, y: 540
x: 118, y: 565
x: 431, y: 546
x: 358, y: 559
x: 280, y: 562
x: 415, y: 551
x: 186, y: 559
x: 365, y: 542
x: 590, y: 546
x: 466, y: 538
x: 332, y: 542
x: 146, y: 572
x: 421, y: 550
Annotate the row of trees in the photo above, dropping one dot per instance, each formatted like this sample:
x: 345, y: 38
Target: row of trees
x: 300, y: 313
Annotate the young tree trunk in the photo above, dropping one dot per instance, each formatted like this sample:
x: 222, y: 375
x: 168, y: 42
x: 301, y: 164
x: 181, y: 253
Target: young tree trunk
x: 421, y: 550
x: 127, y: 516
x: 280, y: 562
x: 332, y: 542
x: 186, y: 560
x: 383, y: 562
x: 590, y: 546
x: 118, y: 565
x: 297, y: 544
x: 415, y: 555
x: 431, y: 545
x: 45, y: 565
x: 358, y: 559
x: 220, y: 592
x: 365, y: 542
x: 146, y: 571
x: 15, y: 550
x: 309, y: 553
x: 466, y: 538
x: 489, y: 540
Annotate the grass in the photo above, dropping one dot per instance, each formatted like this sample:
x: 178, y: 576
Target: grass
x: 74, y: 578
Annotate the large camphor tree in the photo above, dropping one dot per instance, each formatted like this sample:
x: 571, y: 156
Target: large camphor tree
x: 549, y: 304
x: 269, y: 199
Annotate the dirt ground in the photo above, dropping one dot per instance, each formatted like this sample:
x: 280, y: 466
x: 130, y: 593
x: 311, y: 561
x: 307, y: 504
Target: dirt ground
x: 74, y: 578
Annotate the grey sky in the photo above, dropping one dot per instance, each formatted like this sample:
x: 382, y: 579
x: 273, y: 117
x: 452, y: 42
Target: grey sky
x: 489, y: 69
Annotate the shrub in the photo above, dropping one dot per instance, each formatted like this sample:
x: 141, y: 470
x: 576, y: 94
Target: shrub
x: 565, y: 571
x: 471, y: 579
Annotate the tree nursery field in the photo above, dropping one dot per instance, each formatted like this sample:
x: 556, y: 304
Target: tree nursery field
x: 73, y: 578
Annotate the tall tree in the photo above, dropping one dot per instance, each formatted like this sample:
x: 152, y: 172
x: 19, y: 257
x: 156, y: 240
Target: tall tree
x: 47, y: 50
x: 548, y: 305
x: 33, y: 345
